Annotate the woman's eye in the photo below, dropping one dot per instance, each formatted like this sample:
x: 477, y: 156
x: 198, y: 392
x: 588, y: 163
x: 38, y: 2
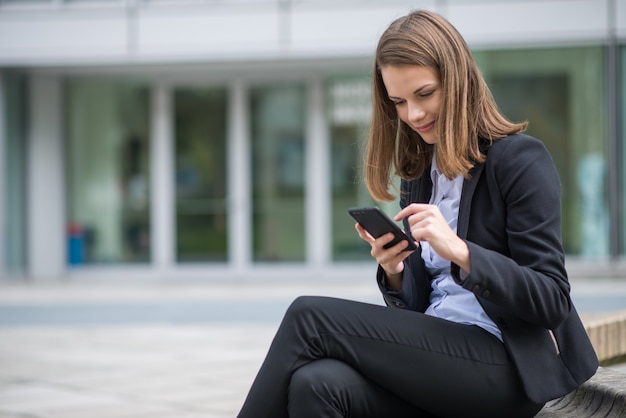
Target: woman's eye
x: 426, y: 94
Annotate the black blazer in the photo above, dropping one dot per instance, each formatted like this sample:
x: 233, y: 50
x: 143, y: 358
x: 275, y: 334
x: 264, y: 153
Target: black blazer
x: 510, y: 217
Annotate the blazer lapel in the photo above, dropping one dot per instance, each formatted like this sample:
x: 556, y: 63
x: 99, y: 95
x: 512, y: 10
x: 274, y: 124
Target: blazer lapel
x: 469, y: 186
x: 424, y: 188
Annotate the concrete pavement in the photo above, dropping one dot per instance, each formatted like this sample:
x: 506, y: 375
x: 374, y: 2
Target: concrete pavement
x: 103, y: 350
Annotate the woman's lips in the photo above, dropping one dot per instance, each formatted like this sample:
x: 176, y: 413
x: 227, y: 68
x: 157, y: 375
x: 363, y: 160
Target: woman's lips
x: 425, y: 128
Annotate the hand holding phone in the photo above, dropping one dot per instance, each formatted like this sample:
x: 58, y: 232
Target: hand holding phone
x: 377, y: 223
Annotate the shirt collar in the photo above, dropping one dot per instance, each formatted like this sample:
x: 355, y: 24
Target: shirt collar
x: 435, y: 173
x: 434, y: 168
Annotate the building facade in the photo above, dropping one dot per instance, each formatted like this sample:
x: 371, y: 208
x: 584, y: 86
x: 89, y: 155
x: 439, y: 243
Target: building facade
x: 223, y: 139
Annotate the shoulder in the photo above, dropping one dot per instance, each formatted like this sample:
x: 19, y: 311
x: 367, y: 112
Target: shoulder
x: 515, y: 144
x: 519, y: 151
x: 521, y: 159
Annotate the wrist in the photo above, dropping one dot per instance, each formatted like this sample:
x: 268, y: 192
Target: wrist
x: 392, y: 281
x: 462, y: 256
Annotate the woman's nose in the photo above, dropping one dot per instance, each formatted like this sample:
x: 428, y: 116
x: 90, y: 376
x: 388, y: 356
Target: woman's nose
x: 416, y: 113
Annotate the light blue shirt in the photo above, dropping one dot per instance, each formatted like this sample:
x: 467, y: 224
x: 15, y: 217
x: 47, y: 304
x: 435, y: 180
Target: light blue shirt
x: 449, y: 300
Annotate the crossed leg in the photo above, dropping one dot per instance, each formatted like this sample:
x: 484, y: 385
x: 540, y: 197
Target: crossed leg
x: 340, y: 358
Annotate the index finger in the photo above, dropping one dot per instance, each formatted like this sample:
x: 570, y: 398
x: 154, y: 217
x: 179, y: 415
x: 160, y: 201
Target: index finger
x: 364, y: 234
x: 386, y: 238
x: 409, y: 210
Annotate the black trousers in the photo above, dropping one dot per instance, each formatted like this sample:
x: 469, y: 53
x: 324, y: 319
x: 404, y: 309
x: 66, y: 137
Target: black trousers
x: 339, y: 358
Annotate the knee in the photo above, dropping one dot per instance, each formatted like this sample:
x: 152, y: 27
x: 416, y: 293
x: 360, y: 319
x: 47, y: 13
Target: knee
x: 303, y: 303
x: 302, y: 306
x: 316, y: 376
x: 313, y: 389
x: 300, y: 384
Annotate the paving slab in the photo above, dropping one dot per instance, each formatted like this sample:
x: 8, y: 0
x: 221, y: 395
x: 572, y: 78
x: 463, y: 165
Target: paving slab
x: 134, y: 371
x: 160, y: 350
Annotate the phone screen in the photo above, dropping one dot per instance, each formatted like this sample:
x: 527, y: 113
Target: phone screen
x: 377, y: 223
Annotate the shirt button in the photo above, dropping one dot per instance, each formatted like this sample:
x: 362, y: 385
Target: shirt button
x: 486, y: 294
x: 476, y: 288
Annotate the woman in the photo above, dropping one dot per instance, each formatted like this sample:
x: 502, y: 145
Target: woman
x: 479, y: 320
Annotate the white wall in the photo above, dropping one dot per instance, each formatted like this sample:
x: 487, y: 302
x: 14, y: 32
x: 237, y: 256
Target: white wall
x: 318, y: 193
x: 196, y: 31
x: 492, y: 23
x: 46, y: 245
x: 162, y: 192
x: 239, y: 174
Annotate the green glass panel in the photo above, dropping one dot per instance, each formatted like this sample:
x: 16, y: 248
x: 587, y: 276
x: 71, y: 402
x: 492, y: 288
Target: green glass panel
x: 348, y: 113
x: 201, y: 216
x: 13, y: 171
x: 561, y: 92
x: 278, y: 175
x: 108, y: 209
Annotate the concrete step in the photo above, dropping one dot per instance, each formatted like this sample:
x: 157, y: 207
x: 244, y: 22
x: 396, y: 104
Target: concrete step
x: 604, y: 395
x: 607, y: 332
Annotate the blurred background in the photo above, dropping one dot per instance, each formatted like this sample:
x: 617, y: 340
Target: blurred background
x: 223, y: 138
x: 147, y: 144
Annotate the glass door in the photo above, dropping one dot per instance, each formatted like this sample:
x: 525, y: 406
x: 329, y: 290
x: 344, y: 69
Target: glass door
x: 348, y: 113
x: 200, y: 119
x: 560, y: 91
x: 278, y: 173
x: 13, y: 172
x: 108, y: 208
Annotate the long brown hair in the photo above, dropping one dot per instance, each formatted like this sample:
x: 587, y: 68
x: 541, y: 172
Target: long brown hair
x: 468, y: 111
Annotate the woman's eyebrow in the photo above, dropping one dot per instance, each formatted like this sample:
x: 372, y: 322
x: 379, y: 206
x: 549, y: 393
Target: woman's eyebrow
x: 424, y: 87
x: 419, y: 89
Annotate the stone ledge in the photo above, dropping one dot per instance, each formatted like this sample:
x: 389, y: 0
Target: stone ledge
x: 607, y: 332
x: 604, y: 395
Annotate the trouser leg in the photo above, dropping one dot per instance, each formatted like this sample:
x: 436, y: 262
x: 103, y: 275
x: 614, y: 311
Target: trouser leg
x: 331, y: 388
x: 439, y: 366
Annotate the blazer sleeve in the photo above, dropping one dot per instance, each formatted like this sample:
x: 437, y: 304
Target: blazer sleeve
x: 415, y: 292
x: 523, y: 273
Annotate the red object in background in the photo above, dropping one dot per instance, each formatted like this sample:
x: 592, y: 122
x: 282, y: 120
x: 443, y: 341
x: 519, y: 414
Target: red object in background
x: 75, y: 243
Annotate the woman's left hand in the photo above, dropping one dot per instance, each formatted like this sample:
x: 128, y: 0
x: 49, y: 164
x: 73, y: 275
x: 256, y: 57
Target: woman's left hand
x: 428, y: 224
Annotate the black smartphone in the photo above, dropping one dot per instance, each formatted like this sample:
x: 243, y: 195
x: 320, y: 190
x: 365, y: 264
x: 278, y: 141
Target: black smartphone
x: 377, y: 223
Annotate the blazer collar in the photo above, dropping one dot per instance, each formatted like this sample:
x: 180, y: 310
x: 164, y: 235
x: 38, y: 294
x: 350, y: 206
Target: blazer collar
x: 469, y: 186
x: 425, y: 187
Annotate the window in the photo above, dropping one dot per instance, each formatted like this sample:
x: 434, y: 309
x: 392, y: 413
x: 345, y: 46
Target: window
x: 560, y: 91
x: 201, y: 208
x: 349, y: 111
x: 108, y: 173
x: 622, y: 147
x: 13, y: 171
x: 278, y: 174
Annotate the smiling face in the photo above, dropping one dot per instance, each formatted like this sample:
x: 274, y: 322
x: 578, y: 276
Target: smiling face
x: 416, y: 94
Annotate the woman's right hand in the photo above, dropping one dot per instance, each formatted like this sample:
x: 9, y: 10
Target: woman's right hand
x: 390, y: 259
